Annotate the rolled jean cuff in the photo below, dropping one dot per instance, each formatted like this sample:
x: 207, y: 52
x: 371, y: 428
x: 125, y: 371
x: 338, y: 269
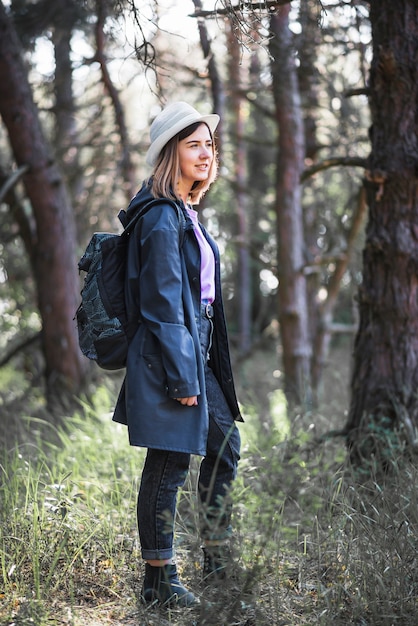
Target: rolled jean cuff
x: 157, y: 555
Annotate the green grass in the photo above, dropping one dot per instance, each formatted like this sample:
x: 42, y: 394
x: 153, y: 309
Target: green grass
x: 67, y: 513
x: 312, y: 544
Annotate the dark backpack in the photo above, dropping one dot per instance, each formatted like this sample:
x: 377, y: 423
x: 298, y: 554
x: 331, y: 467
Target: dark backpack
x: 102, y: 319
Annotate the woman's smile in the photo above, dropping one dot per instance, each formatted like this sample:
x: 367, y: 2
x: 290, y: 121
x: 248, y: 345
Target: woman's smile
x: 196, y: 154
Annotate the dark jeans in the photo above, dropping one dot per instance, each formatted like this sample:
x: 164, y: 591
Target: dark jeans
x: 164, y: 472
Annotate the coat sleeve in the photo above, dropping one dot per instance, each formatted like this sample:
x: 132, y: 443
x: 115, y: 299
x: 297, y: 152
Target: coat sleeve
x: 161, y: 301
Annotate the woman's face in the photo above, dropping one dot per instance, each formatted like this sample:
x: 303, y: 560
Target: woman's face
x: 195, y: 156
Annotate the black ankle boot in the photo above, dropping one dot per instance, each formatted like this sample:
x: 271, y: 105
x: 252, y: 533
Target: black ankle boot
x: 215, y: 562
x: 162, y: 584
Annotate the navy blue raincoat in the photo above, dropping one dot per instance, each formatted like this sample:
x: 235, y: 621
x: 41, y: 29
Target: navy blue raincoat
x: 164, y: 359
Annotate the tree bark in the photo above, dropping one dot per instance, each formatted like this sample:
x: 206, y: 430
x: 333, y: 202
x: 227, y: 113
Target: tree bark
x: 385, y: 372
x: 308, y: 75
x: 54, y: 262
x: 308, y: 79
x: 66, y: 140
x: 235, y: 72
x: 216, y: 83
x: 293, y: 316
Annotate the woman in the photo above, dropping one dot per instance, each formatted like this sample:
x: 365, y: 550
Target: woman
x: 178, y: 397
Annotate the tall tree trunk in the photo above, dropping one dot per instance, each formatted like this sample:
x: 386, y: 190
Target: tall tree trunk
x: 308, y: 77
x: 385, y: 372
x: 66, y: 132
x: 216, y: 84
x: 54, y: 262
x: 293, y: 312
x: 236, y: 89
x: 260, y: 148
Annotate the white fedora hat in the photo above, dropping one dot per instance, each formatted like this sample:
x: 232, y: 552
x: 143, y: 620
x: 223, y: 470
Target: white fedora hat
x: 170, y: 121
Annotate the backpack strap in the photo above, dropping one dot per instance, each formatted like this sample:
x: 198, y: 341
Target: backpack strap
x: 129, y: 226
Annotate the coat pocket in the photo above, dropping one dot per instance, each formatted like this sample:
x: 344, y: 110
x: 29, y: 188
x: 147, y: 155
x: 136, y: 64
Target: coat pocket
x: 154, y: 374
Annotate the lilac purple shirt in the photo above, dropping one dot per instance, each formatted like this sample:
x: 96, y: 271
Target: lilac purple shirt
x: 207, y: 260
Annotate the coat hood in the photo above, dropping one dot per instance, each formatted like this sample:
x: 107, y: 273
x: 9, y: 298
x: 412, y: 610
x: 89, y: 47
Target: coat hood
x: 139, y: 200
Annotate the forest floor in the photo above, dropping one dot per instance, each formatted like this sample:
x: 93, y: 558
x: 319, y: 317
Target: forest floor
x: 292, y: 554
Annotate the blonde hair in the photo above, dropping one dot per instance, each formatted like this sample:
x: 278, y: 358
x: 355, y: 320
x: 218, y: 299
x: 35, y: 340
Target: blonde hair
x: 167, y: 169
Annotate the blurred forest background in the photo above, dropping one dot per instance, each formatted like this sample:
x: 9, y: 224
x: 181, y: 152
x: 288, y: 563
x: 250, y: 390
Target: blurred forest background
x: 288, y: 210
x: 315, y: 211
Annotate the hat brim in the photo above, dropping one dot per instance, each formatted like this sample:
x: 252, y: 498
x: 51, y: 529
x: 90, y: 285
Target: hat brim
x: 155, y: 148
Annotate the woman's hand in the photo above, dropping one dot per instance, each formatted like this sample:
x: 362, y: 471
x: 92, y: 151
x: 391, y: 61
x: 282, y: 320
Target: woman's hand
x: 191, y: 401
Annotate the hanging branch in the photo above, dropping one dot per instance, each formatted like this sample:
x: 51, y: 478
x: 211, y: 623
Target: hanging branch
x: 12, y: 181
x: 268, y: 7
x: 244, y: 17
x: 25, y: 343
x: 126, y: 162
x: 145, y: 51
x: 326, y: 327
x: 332, y: 162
